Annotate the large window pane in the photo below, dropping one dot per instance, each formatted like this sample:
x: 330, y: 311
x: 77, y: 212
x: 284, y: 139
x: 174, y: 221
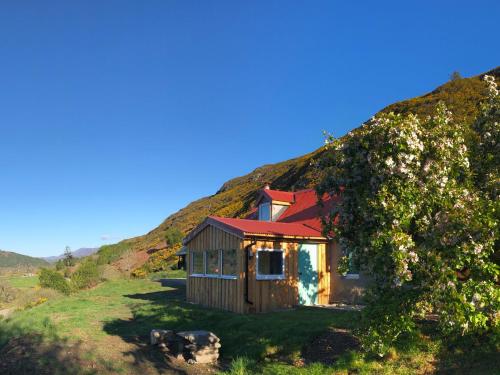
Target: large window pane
x: 197, y: 263
x: 229, y: 263
x: 213, y: 265
x: 270, y: 264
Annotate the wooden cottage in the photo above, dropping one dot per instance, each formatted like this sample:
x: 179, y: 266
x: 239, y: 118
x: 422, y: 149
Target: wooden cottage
x: 276, y: 258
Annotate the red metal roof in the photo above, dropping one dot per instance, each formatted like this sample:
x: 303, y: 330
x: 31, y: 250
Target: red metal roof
x: 278, y: 195
x: 244, y: 227
x: 300, y: 219
x: 306, y: 209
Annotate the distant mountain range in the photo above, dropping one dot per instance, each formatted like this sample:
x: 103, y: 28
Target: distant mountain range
x: 80, y: 253
x: 10, y: 259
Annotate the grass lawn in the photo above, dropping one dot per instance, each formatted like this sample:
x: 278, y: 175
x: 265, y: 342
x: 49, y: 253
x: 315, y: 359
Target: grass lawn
x: 107, y: 330
x: 22, y: 282
x: 170, y: 274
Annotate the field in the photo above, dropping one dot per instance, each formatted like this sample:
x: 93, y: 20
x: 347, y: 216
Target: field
x: 22, y: 282
x: 106, y: 329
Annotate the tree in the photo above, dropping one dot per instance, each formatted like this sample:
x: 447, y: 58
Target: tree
x: 173, y: 236
x: 419, y: 212
x: 69, y: 260
x: 455, y: 76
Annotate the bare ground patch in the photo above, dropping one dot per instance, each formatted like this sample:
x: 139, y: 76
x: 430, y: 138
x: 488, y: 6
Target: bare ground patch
x: 329, y: 346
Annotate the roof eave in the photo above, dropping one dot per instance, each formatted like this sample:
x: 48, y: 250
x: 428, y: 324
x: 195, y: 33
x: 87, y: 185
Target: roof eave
x: 284, y: 236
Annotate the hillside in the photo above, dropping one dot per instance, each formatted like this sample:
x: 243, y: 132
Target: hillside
x: 11, y: 259
x: 234, y: 198
x: 80, y: 253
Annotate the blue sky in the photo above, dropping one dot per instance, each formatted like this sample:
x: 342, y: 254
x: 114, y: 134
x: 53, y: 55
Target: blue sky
x: 115, y: 114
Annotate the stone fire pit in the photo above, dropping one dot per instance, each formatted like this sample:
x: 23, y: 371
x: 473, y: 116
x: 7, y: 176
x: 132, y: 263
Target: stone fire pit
x: 192, y: 346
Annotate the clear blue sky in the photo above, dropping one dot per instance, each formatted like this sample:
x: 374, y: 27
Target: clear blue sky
x: 114, y: 114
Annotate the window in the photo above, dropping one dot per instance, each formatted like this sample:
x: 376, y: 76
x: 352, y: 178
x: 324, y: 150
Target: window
x: 214, y: 263
x: 353, y: 272
x: 197, y: 263
x: 212, y: 260
x: 278, y: 210
x: 270, y: 264
x: 265, y: 211
x: 229, y: 263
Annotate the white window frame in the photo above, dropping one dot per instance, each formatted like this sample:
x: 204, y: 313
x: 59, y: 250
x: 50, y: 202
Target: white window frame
x: 227, y: 277
x: 259, y: 276
x: 210, y: 275
x: 191, y: 260
x: 268, y: 204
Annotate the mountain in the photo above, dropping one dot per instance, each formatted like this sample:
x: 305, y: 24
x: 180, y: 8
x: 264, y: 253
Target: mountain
x: 11, y: 259
x: 80, y: 253
x: 235, y: 197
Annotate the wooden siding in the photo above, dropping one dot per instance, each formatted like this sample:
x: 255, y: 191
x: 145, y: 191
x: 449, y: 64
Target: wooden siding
x: 226, y: 294
x: 324, y: 272
x: 265, y: 295
x: 269, y: 295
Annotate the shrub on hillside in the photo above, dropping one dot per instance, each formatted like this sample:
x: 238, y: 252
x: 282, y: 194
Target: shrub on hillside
x: 173, y: 236
x: 54, y: 280
x: 110, y: 253
x: 139, y: 273
x: 7, y: 293
x: 36, y: 302
x: 87, y: 275
x: 159, y: 261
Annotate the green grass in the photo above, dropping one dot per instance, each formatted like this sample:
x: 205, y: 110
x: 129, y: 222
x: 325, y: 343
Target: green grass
x: 170, y: 274
x: 23, y: 282
x: 113, y: 322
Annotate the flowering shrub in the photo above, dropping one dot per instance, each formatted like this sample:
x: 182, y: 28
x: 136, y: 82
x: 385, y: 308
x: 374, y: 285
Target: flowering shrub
x: 419, y: 213
x: 38, y: 301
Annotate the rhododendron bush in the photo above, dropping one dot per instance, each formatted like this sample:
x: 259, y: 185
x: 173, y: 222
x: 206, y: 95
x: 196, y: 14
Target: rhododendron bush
x: 419, y: 213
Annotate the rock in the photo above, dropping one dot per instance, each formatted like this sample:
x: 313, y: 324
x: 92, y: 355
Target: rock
x: 160, y: 336
x: 195, y: 346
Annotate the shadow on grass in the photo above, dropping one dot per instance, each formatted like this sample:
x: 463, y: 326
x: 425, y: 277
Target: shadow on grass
x: 23, y: 351
x: 468, y: 356
x: 459, y: 355
x: 285, y: 336
x: 280, y: 335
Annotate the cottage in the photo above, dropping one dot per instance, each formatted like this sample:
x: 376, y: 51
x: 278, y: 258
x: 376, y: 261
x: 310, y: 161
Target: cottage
x: 276, y: 258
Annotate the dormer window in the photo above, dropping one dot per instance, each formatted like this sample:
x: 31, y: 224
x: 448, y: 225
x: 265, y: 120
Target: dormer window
x: 278, y: 210
x: 265, y: 211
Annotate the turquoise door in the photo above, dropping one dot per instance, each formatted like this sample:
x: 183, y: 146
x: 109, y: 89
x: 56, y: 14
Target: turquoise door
x: 308, y: 274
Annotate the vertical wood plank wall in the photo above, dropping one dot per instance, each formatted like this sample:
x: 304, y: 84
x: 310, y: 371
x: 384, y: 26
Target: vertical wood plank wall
x: 225, y: 294
x: 269, y: 295
x: 324, y: 273
x: 266, y: 295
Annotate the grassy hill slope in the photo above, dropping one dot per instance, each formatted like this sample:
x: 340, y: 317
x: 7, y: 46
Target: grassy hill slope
x: 10, y: 259
x: 235, y: 197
